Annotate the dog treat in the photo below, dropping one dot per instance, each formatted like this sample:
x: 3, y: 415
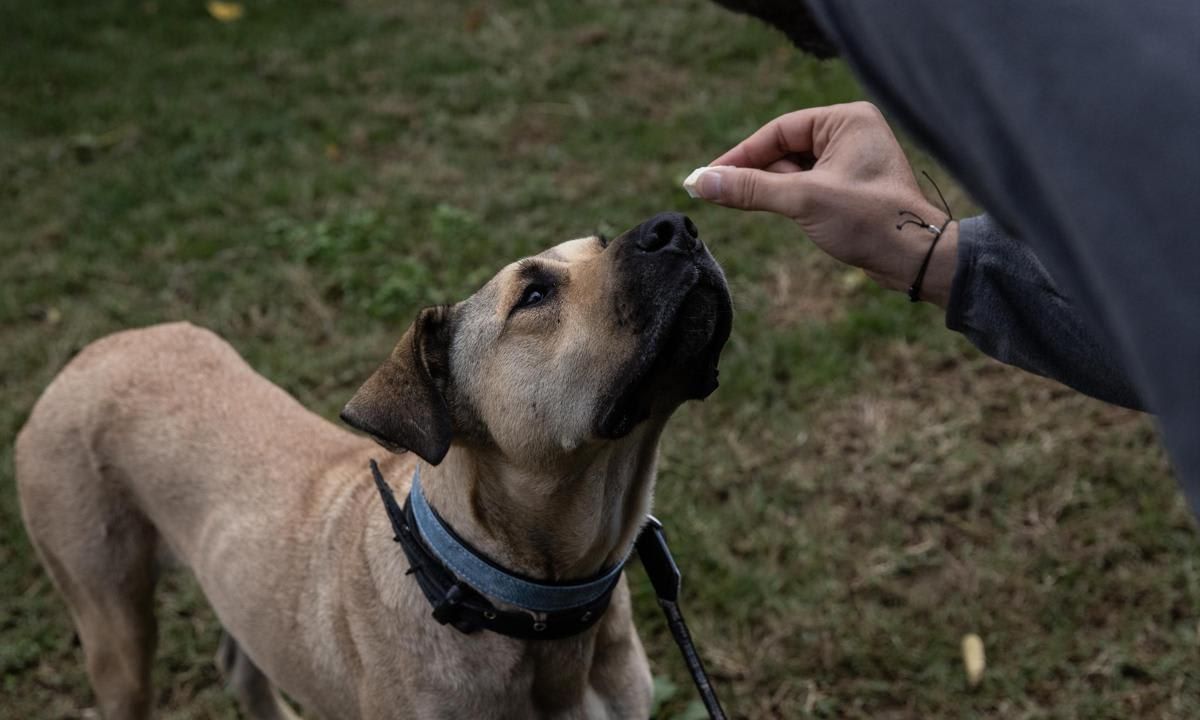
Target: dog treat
x: 690, y: 183
x: 973, y: 658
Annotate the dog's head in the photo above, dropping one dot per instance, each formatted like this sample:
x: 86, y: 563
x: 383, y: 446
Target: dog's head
x: 562, y: 350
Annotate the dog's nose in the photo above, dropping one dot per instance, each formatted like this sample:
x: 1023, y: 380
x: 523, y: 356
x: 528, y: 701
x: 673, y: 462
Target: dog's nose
x: 668, y: 230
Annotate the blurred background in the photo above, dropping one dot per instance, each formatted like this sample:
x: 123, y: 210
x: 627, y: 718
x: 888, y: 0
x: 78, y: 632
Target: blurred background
x: 302, y: 176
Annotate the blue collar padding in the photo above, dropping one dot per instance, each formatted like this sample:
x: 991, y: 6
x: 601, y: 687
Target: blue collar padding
x: 490, y: 580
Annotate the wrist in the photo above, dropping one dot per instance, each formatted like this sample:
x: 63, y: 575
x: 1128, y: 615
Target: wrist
x: 908, y: 253
x: 939, y: 275
x: 934, y: 275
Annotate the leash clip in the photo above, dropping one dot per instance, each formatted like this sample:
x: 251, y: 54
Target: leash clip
x: 656, y: 558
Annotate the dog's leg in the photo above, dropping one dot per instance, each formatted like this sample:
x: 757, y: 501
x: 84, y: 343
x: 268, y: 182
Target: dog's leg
x: 260, y: 700
x: 100, y: 552
x: 118, y: 634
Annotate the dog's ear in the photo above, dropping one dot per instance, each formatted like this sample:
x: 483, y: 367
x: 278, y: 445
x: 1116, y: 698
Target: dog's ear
x: 402, y: 404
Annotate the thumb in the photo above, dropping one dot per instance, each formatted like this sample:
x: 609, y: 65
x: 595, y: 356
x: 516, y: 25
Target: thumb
x: 750, y: 189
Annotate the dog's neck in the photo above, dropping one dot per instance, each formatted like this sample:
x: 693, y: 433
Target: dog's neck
x: 565, y: 521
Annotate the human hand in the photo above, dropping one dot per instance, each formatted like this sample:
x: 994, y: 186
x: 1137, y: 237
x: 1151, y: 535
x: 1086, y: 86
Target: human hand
x: 848, y: 203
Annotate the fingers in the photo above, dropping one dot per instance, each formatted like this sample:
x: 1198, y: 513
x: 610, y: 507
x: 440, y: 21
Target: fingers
x: 799, y: 132
x: 751, y: 189
x: 783, y: 136
x: 786, y: 165
x: 768, y: 170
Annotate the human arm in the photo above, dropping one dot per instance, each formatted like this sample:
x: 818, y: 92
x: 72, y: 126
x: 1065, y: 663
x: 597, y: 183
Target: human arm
x: 995, y: 290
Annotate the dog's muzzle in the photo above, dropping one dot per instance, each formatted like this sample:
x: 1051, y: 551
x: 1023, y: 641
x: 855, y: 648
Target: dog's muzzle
x: 674, y: 296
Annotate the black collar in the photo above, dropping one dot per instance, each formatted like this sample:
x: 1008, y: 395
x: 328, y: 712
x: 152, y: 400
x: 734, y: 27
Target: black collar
x: 459, y: 603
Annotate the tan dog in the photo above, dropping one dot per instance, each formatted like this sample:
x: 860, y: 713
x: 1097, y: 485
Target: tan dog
x: 538, y: 403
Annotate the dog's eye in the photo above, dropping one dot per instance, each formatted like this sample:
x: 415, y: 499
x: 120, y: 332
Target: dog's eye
x: 533, y: 295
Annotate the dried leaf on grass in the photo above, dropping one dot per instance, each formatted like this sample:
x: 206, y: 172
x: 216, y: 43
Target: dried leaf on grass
x: 225, y: 11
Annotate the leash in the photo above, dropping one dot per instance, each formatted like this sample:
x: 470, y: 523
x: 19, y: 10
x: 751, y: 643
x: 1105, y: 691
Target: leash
x: 664, y: 575
x: 455, y: 579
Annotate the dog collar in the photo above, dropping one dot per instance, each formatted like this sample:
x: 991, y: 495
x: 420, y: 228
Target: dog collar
x: 461, y: 583
x: 488, y: 578
x: 437, y: 555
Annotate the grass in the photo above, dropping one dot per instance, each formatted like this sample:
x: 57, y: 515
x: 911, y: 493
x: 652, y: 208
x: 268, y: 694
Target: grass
x: 862, y: 491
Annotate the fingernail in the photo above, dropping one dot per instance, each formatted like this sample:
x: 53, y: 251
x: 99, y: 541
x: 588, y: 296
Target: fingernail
x: 709, y: 185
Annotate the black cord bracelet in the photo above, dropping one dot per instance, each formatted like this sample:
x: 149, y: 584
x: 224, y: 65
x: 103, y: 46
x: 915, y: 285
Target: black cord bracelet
x: 914, y: 290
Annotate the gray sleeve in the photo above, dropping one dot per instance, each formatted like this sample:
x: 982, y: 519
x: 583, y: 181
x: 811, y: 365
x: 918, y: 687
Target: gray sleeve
x: 1008, y: 306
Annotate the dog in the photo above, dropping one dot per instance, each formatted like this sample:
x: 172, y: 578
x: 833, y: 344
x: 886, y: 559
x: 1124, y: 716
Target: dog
x: 533, y: 409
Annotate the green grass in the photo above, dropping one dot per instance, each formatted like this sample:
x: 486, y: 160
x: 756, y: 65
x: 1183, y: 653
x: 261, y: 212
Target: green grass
x: 862, y: 491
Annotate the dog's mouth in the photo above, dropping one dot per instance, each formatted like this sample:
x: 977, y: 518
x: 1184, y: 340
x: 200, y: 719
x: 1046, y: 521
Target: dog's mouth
x: 679, y: 359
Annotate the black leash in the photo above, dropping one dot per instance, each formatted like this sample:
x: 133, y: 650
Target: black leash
x: 458, y: 604
x: 665, y: 577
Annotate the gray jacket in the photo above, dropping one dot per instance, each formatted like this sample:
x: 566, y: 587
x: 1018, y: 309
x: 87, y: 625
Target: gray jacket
x: 1077, y: 125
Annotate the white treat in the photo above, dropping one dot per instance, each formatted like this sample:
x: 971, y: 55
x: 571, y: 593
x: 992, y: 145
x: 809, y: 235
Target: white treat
x: 690, y: 183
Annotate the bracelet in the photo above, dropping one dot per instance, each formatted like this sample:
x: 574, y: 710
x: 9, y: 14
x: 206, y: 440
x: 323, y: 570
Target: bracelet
x: 914, y: 290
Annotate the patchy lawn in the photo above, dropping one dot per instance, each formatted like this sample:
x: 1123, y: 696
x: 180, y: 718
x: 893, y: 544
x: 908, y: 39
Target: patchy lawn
x: 862, y: 491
